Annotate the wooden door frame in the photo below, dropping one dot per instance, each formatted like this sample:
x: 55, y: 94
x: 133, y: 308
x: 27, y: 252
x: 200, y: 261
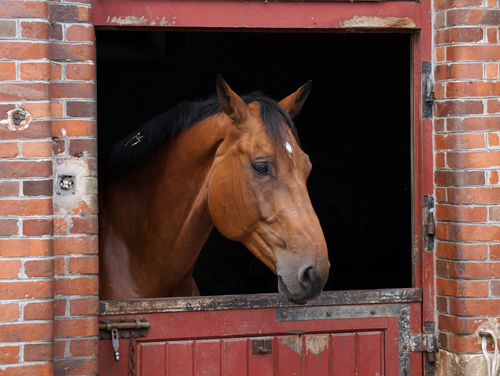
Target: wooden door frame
x: 319, y: 16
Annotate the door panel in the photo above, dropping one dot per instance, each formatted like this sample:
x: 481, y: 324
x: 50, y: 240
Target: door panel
x: 339, y: 340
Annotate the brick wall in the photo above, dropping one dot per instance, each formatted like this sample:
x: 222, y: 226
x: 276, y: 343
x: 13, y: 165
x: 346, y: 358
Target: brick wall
x: 467, y: 162
x: 48, y: 242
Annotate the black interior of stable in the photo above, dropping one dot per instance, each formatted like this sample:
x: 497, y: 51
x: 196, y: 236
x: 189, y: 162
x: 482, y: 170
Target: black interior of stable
x: 355, y: 126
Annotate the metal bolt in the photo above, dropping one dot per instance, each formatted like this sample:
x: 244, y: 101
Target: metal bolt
x: 405, y: 347
x: 372, y: 311
x: 404, y: 311
x: 122, y: 320
x: 283, y: 314
x: 329, y: 313
x: 405, y: 369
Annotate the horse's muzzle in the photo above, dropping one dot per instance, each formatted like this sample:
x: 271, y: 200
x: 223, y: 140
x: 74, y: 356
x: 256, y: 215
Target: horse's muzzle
x: 305, y: 286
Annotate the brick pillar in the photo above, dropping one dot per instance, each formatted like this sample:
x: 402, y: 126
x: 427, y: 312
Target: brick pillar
x: 467, y: 162
x: 48, y: 241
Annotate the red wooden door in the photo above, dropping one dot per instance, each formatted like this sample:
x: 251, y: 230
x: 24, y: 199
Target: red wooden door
x: 263, y: 335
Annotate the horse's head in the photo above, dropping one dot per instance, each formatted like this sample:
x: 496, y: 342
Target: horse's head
x: 258, y: 194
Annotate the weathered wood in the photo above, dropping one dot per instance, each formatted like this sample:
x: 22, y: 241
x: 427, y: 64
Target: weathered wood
x: 210, y: 303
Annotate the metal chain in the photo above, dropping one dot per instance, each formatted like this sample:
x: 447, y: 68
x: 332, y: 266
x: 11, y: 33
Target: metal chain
x: 131, y: 362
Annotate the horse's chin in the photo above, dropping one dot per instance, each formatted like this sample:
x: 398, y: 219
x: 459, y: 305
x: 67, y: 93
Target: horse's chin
x: 301, y: 298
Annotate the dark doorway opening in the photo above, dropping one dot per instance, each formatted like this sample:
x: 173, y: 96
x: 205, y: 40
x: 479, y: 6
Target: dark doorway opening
x: 355, y: 126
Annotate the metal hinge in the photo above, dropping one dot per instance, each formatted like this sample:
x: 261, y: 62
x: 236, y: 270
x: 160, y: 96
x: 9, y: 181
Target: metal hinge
x: 425, y: 343
x: 429, y: 223
x: 427, y: 90
x: 125, y: 327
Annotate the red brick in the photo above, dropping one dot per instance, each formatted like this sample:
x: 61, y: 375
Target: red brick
x: 493, y: 106
x: 38, y: 188
x: 80, y: 33
x: 37, y: 129
x: 9, y: 354
x: 73, y: 128
x: 472, y: 89
x: 439, y: 90
x: 459, y: 35
x: 458, y: 107
x: 491, y: 70
x: 80, y: 72
x: 26, y: 290
x: 473, y: 17
x: 492, y: 3
x: 474, y: 124
x: 459, y: 325
x: 472, y: 53
x: 23, y: 50
x: 72, y: 90
x: 468, y: 289
x: 8, y: 227
x: 60, y: 225
x: 79, y: 147
x: 70, y: 13
x: 76, y: 286
x: 474, y: 270
x: 75, y: 327
x: 439, y: 125
x: 440, y: 161
x: 462, y: 251
x: 459, y: 178
x: 492, y: 33
x: 442, y: 304
x: 8, y: 150
x: 84, y: 347
x: 35, y: 71
x: 60, y: 307
x: 13, y: 169
x: 8, y: 28
x: 38, y: 109
x: 38, y: 352
x: 75, y: 52
x: 39, y: 268
x: 9, y: 188
x: 84, y: 307
x: 442, y: 268
x: 495, y: 288
x: 81, y: 109
x: 55, y: 32
x: 464, y: 343
x: 441, y: 195
x: 495, y: 213
x: 25, y: 332
x: 38, y: 227
x: 26, y: 207
x: 23, y: 9
x: 36, y: 149
x: 10, y: 268
x: 31, y: 370
x: 58, y: 146
x: 7, y: 71
x: 493, y: 180
x: 69, y: 245
x: 26, y: 247
x: 493, y: 139
x: 35, y: 30
x: 26, y: 91
x: 75, y: 366
x: 480, y: 159
x: 473, y: 233
x: 9, y: 312
x: 55, y: 71
x: 59, y: 348
x: 39, y: 311
x: 461, y: 213
x: 459, y: 141
x: 87, y: 225
x: 84, y: 265
x: 59, y: 266
x: 445, y: 4
x: 457, y: 71
x: 474, y: 307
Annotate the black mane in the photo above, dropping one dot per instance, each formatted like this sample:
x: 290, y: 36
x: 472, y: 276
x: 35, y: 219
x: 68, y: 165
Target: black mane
x: 129, y: 153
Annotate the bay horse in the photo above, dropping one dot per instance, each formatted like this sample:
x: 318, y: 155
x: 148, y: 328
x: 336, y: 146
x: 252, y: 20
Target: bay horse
x: 229, y: 161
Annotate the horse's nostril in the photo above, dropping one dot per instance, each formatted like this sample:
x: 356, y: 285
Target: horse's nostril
x: 307, y: 275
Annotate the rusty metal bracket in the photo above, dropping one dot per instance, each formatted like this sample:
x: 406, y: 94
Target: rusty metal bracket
x: 427, y: 90
x: 423, y: 343
x: 429, y: 223
x: 262, y: 346
x: 127, y: 327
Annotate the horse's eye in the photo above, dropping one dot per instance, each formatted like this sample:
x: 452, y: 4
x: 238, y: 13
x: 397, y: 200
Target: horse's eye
x: 262, y: 168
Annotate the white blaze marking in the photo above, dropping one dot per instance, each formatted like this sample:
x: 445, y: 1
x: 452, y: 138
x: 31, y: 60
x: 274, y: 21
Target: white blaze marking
x: 289, y: 148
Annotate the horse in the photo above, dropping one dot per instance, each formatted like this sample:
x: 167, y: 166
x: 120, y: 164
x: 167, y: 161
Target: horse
x: 228, y: 161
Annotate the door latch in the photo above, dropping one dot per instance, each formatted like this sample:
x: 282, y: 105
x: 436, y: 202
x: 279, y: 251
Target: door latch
x: 125, y: 327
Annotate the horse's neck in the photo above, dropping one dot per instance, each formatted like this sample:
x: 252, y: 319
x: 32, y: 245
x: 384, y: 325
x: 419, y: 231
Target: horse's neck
x: 159, y: 214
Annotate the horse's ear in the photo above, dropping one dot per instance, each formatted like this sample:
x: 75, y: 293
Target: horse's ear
x: 232, y: 104
x: 293, y: 103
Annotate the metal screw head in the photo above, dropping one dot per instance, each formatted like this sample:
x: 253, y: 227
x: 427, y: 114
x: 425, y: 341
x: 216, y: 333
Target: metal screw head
x: 404, y: 311
x: 329, y: 313
x: 405, y: 369
x: 405, y: 347
x: 122, y: 320
x: 372, y: 311
x: 283, y: 314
